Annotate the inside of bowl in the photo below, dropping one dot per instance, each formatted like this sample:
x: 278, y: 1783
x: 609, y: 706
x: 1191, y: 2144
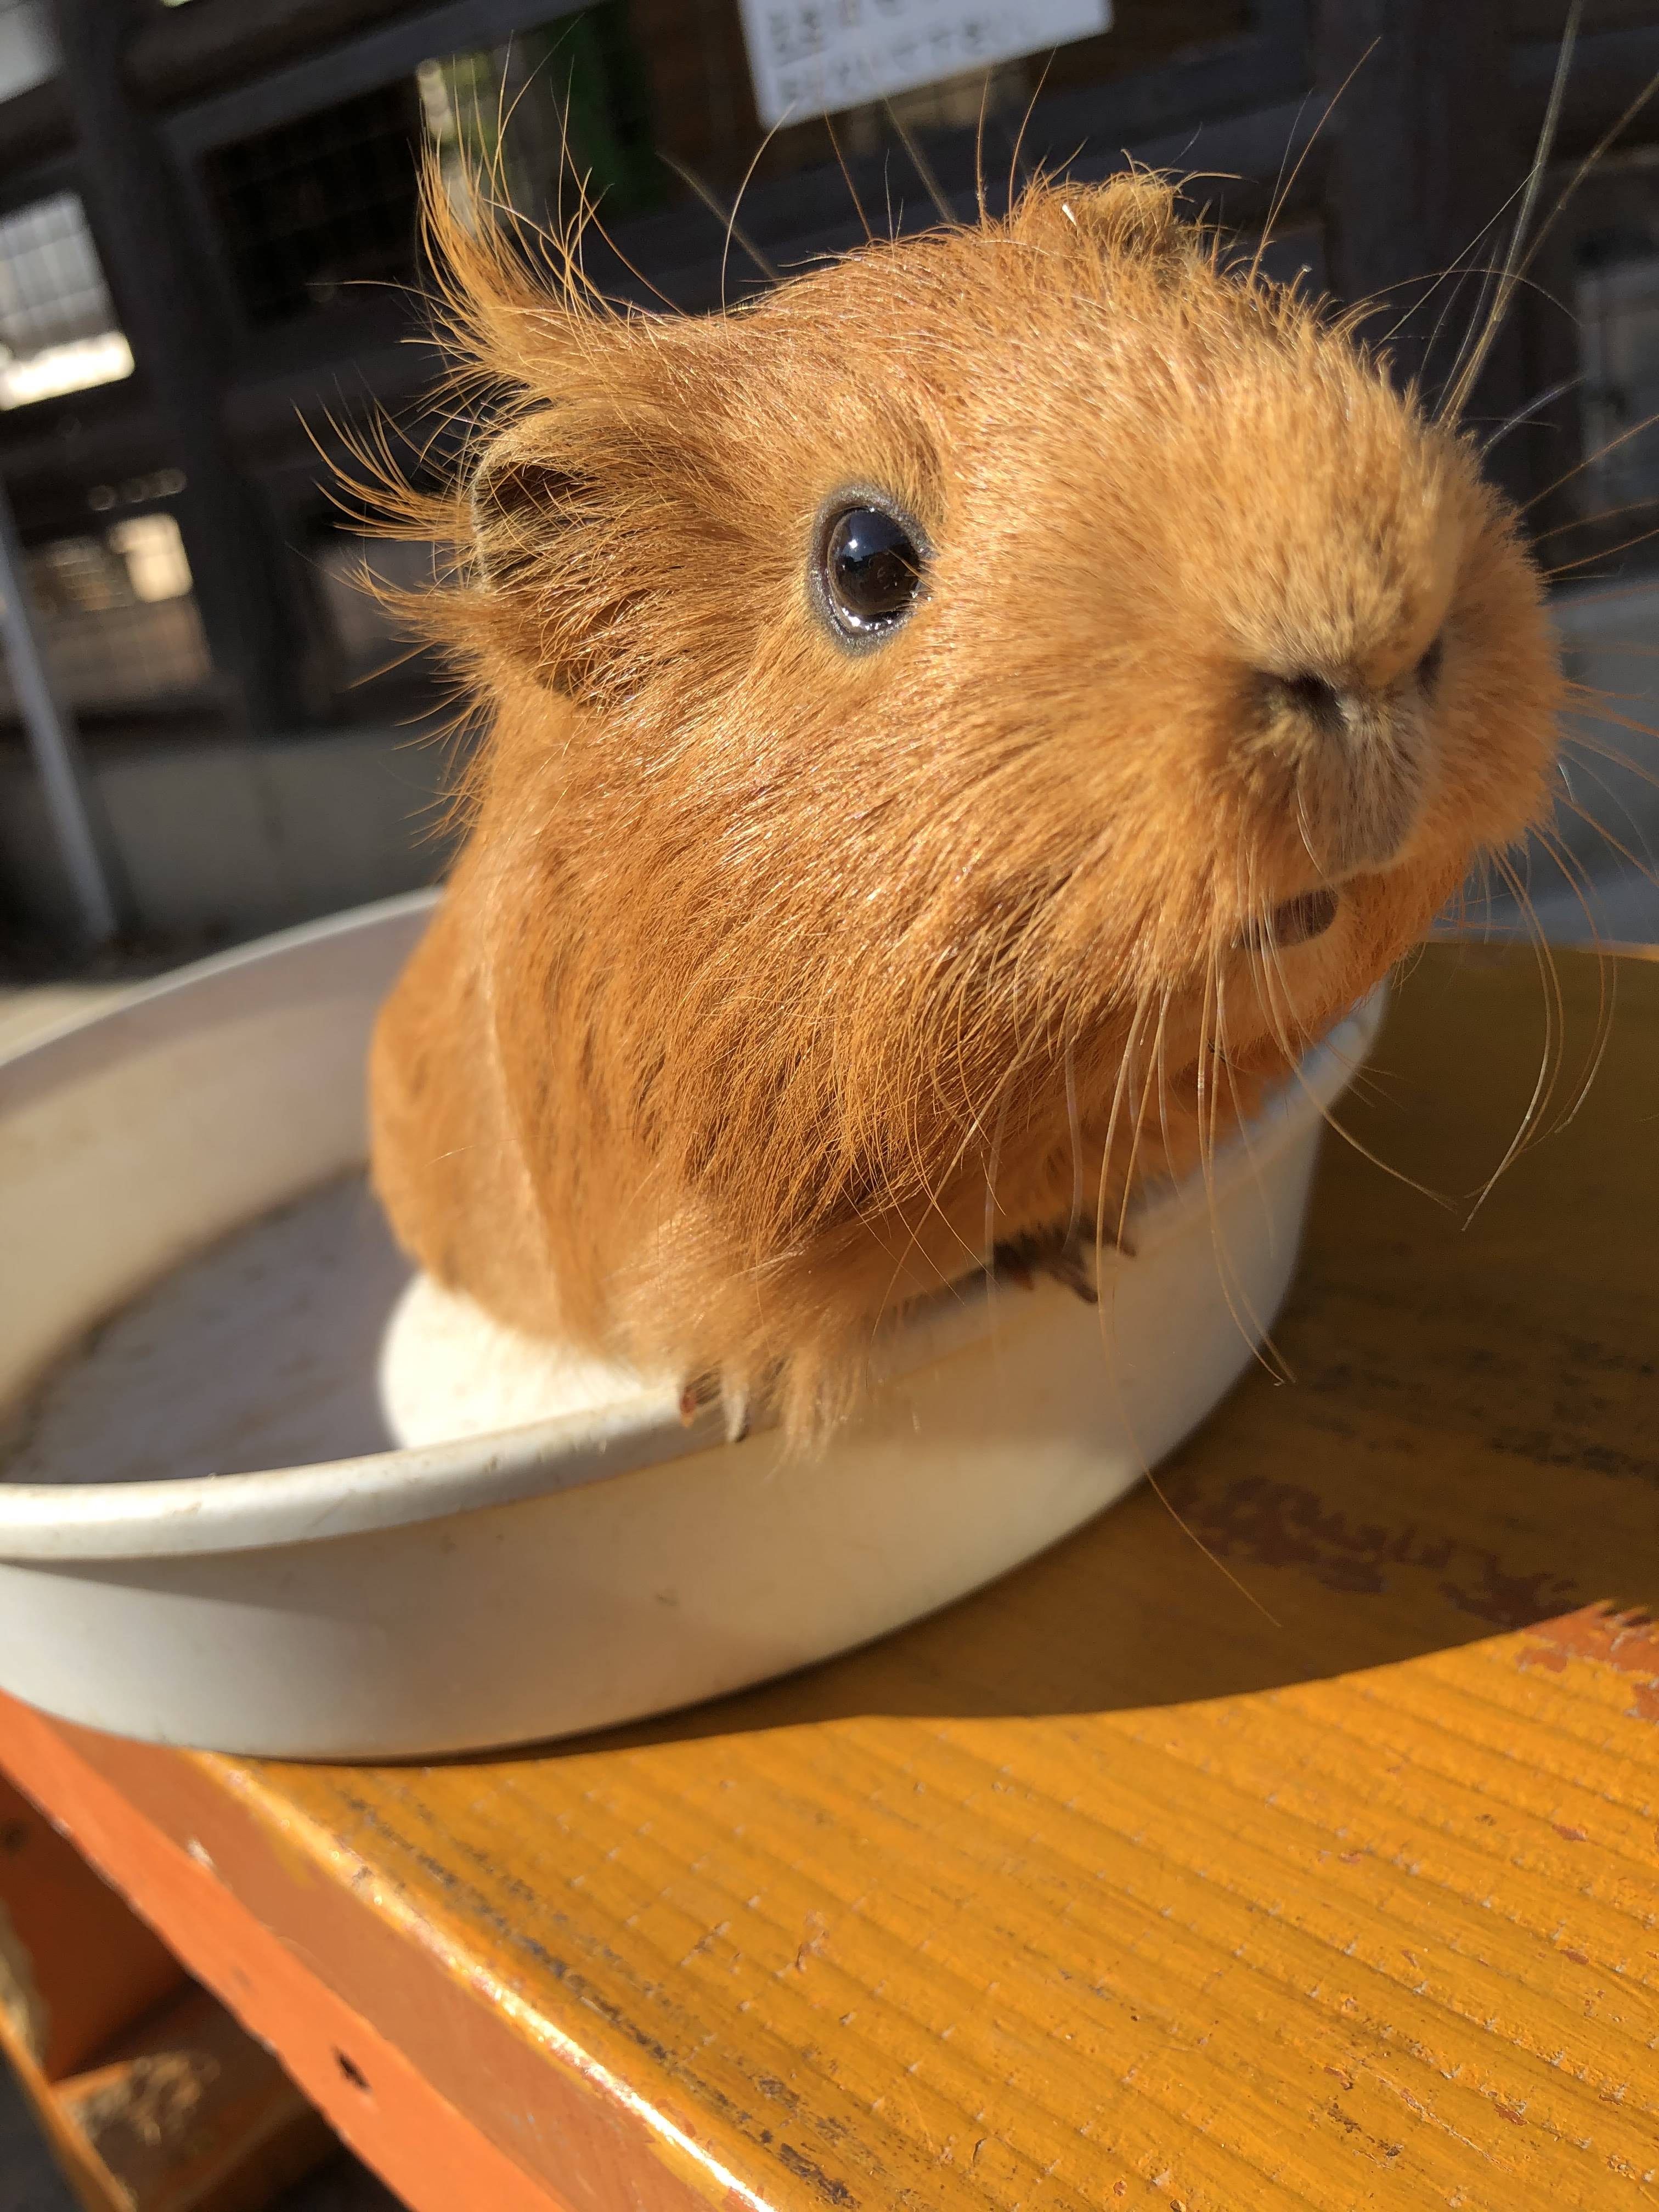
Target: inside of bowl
x: 260, y: 1353
x: 302, y: 1337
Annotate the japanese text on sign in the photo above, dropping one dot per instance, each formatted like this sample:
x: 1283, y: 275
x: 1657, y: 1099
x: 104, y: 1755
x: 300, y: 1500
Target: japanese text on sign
x: 815, y: 57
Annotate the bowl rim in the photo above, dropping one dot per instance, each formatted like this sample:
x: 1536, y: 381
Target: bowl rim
x: 44, y: 1522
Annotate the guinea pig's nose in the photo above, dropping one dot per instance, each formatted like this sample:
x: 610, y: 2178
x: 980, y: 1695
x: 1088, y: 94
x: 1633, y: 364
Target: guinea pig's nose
x: 1357, y: 756
x: 1330, y: 709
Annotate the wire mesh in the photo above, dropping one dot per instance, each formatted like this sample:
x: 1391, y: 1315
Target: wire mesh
x: 1617, y: 309
x: 58, y: 330
x: 317, y: 204
x: 119, y: 619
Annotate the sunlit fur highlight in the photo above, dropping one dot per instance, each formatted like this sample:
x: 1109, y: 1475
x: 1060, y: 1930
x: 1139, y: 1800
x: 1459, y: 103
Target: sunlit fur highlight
x: 775, y: 985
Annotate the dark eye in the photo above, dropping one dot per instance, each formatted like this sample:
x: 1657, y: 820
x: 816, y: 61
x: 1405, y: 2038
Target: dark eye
x: 1428, y: 669
x: 869, y: 571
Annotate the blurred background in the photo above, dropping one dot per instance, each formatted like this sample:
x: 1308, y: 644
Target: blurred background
x: 208, y: 269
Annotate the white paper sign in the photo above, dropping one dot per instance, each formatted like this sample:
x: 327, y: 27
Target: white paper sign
x: 814, y: 56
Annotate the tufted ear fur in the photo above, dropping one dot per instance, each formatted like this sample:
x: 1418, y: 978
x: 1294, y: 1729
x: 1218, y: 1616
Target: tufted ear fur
x: 533, y: 506
x: 1130, y: 216
x: 552, y: 524
x: 523, y: 491
x: 591, y: 446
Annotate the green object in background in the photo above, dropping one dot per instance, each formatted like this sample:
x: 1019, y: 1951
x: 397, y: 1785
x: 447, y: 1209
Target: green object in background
x: 604, y: 86
x: 565, y: 105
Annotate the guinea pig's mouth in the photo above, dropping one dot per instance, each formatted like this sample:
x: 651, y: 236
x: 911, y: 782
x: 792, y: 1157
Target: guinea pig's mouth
x: 1293, y: 921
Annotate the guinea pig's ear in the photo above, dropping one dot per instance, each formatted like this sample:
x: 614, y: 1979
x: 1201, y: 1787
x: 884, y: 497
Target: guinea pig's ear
x: 580, y: 505
x: 1133, y: 215
x: 534, y: 506
x: 524, y: 491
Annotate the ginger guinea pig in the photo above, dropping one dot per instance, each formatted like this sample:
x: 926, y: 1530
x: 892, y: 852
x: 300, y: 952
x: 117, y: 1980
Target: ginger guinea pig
x: 958, y: 729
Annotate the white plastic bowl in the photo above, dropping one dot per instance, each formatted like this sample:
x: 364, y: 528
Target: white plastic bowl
x: 554, y: 1577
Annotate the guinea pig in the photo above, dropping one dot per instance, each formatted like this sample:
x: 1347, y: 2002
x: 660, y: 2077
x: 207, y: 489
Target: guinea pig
x: 957, y: 727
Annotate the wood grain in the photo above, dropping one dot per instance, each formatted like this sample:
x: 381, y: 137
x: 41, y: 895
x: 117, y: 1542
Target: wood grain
x: 1310, y: 1863
x: 151, y: 2096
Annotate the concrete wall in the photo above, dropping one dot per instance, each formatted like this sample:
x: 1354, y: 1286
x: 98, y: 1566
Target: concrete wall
x: 235, y: 838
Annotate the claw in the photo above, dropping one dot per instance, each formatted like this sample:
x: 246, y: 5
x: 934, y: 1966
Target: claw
x: 1069, y: 1260
x: 705, y: 1390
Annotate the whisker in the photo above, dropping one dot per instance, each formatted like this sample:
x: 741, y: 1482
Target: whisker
x: 1139, y: 1122
x: 1553, y: 1016
x: 1241, y: 1127
x: 1282, y: 189
x: 1576, y: 807
x: 1075, y: 1214
x: 1608, y: 137
x: 1525, y: 414
x: 1154, y: 1483
x: 755, y: 161
x: 852, y: 189
x: 993, y: 1161
x: 1015, y: 173
x: 1582, y: 741
x: 922, y: 165
x: 1249, y: 1324
x: 1473, y: 360
x: 1326, y: 1113
x: 1607, y: 977
x: 979, y: 148
x: 1589, y: 461
x: 1587, y: 521
x: 1642, y: 868
x: 727, y: 217
x: 1606, y: 553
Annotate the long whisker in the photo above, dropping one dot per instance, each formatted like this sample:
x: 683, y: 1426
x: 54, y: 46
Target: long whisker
x: 1548, y: 1058
x: 1616, y: 845
x: 852, y: 189
x: 727, y: 217
x: 1283, y: 190
x: 1582, y: 741
x: 1606, y: 553
x: 1015, y: 172
x: 1242, y: 1140
x: 1249, y: 1324
x: 1152, y: 1482
x: 979, y: 147
x: 1074, y: 1132
x: 1590, y: 461
x: 1575, y: 806
x: 922, y: 165
x: 993, y: 1161
x: 1525, y: 414
x: 1607, y: 975
x: 1608, y: 137
x: 1138, y: 1126
x: 1122, y: 1089
x: 1465, y: 378
x: 1275, y: 994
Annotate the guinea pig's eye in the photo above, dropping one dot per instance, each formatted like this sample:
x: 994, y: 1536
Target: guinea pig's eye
x: 868, y: 572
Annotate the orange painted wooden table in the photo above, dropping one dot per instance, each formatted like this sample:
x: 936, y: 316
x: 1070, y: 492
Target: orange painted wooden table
x: 1113, y: 1885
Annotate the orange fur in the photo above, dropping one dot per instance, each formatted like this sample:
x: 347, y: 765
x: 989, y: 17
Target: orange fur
x: 763, y: 959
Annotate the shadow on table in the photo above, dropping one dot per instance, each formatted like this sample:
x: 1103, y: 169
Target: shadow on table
x: 1471, y: 1444
x: 1352, y: 1558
